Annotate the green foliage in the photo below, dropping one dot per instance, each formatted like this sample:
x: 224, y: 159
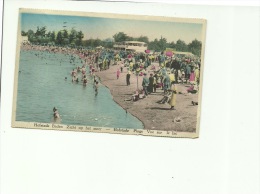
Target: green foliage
x: 41, y: 36
x: 52, y: 36
x: 154, y: 45
x: 163, y: 43
x: 72, y: 36
x: 121, y: 36
x: 40, y: 31
x: 172, y: 45
x: 79, y: 38
x: 195, y: 47
x: 142, y: 39
x: 23, y: 33
x: 107, y: 44
x: 75, y: 38
x: 59, y: 38
x: 30, y: 35
x: 158, y: 45
x: 181, y: 46
x: 92, y: 43
x: 65, y: 34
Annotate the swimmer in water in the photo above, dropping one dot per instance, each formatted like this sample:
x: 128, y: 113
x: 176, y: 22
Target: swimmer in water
x: 94, y: 82
x: 85, y: 81
x: 96, y: 87
x: 56, y: 114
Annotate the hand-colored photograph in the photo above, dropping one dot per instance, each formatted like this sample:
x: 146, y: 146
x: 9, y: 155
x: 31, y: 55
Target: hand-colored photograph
x: 109, y: 73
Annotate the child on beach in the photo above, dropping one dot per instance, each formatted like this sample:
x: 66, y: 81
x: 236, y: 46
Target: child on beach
x: 135, y: 96
x: 193, y: 88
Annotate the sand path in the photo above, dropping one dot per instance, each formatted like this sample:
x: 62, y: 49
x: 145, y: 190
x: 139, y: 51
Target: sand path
x: 152, y: 114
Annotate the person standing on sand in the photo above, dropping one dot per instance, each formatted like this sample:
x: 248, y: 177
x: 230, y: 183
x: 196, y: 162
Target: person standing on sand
x: 155, y: 82
x: 192, y: 76
x: 117, y: 73
x: 161, y: 58
x: 145, y: 84
x: 188, y: 72
x: 151, y: 81
x: 122, y: 66
x: 197, y: 75
x: 172, y: 101
x: 128, y: 78
x: 109, y: 63
x: 166, y: 83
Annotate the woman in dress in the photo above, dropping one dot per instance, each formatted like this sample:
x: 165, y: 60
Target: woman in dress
x: 197, y: 75
x: 117, y: 73
x: 172, y: 101
x: 192, y: 76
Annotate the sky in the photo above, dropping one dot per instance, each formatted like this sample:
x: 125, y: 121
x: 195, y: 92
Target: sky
x: 102, y: 28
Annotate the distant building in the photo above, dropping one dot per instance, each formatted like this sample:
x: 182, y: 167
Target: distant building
x: 24, y: 40
x: 135, y: 46
x: 99, y: 47
x: 108, y: 40
x: 182, y: 54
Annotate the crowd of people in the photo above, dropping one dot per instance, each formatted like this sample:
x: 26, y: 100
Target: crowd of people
x: 158, y: 71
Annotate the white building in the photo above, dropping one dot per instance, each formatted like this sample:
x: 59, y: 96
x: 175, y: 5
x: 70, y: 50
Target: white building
x: 24, y: 40
x: 135, y: 46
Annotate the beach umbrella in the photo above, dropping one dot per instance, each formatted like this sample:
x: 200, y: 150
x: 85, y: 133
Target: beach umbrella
x: 169, y: 53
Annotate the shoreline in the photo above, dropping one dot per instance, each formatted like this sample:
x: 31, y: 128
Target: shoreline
x: 154, y: 116
x: 123, y: 107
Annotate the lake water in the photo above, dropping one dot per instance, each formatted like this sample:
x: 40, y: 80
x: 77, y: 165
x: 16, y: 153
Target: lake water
x: 42, y: 86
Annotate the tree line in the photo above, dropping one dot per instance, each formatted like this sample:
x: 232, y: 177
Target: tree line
x: 162, y: 44
x: 75, y: 38
x: 62, y: 37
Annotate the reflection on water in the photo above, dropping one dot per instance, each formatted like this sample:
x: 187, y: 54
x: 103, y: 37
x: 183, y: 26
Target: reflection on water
x: 42, y: 86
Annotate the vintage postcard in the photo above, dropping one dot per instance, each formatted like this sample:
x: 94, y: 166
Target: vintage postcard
x: 109, y: 73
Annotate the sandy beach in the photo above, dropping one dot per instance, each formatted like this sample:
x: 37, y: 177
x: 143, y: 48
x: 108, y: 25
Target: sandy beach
x: 152, y: 114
